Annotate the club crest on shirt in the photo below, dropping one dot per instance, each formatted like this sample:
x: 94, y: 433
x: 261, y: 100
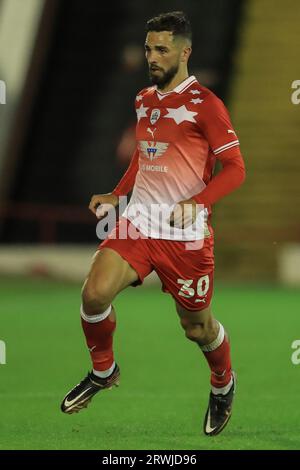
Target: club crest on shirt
x: 155, y: 115
x: 151, y: 149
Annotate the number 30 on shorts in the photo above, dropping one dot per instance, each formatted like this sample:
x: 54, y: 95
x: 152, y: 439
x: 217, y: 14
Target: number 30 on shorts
x: 187, y: 291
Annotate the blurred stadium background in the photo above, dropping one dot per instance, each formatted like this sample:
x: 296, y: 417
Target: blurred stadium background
x: 69, y: 73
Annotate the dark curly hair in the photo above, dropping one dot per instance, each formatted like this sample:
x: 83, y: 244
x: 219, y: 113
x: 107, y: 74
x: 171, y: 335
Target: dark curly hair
x: 174, y: 21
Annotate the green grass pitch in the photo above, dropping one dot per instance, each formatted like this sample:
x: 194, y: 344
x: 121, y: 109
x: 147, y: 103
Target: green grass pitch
x: 164, y: 388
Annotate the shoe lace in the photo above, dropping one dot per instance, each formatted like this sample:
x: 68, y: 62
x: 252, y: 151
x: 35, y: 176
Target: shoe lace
x: 219, y: 403
x: 78, y: 386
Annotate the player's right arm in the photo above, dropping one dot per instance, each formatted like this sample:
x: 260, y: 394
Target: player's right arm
x: 127, y: 181
x: 101, y: 203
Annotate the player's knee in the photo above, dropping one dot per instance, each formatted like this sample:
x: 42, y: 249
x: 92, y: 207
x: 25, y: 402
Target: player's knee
x: 96, y: 296
x: 198, y: 332
x: 195, y: 333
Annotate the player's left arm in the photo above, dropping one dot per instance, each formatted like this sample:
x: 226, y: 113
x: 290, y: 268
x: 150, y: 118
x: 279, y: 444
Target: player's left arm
x: 215, y: 124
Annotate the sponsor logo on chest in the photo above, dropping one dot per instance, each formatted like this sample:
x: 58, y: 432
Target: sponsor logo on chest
x: 151, y: 149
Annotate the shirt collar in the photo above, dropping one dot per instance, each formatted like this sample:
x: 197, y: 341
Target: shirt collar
x: 179, y: 88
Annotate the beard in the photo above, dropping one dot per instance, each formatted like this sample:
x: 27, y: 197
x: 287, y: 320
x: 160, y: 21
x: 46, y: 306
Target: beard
x: 165, y: 78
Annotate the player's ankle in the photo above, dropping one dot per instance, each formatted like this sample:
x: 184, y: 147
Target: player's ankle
x: 104, y: 374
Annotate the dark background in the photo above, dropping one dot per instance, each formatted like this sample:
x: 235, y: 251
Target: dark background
x: 85, y: 99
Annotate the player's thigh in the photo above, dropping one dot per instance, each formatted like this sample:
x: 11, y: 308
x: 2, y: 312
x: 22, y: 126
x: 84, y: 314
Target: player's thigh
x: 110, y: 273
x: 193, y: 317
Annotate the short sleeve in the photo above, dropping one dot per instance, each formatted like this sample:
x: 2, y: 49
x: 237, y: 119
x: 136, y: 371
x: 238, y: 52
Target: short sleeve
x: 215, y: 124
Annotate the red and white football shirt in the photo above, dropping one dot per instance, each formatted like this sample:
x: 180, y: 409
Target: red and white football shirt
x: 179, y: 135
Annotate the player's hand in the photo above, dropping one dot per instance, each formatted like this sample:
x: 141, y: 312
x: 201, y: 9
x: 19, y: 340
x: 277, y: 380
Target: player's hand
x: 101, y: 203
x: 184, y: 214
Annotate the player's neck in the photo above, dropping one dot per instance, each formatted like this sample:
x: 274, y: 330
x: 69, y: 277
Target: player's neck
x: 179, y: 78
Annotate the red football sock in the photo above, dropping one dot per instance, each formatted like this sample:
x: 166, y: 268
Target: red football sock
x: 217, y: 354
x: 99, y: 338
